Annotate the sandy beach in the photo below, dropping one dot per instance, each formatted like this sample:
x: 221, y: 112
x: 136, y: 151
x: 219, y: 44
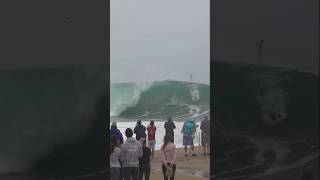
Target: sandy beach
x: 188, y: 168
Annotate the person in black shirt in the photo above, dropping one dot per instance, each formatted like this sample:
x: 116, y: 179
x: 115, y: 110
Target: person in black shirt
x: 144, y: 162
x: 140, y: 131
x: 169, y: 126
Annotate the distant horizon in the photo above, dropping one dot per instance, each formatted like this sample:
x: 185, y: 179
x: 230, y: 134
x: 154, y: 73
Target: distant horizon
x: 291, y: 68
x: 158, y: 80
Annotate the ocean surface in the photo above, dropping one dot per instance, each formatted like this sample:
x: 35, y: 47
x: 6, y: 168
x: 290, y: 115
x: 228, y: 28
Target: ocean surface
x: 157, y: 101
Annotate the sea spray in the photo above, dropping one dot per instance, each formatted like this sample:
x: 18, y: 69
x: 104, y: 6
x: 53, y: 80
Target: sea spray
x: 195, y: 94
x: 125, y: 95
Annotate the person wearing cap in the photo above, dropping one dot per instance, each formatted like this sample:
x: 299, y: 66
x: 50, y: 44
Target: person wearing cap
x: 140, y: 131
x: 116, y: 132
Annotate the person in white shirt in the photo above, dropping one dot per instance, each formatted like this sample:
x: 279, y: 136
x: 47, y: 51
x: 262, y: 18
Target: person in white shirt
x: 114, y: 159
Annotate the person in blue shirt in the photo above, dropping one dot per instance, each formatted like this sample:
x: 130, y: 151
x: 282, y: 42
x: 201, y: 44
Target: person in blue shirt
x: 116, y: 132
x: 189, y: 129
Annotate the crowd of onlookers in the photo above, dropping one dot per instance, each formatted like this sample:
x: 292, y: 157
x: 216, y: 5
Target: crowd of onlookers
x: 130, y: 159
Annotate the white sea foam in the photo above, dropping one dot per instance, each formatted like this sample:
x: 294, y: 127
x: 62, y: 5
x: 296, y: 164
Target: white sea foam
x: 123, y: 125
x: 123, y: 98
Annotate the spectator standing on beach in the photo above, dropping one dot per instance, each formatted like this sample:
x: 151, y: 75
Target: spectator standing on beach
x: 189, y: 130
x: 114, y: 131
x: 131, y: 151
x: 169, y: 126
x: 115, y: 165
x: 140, y: 131
x: 152, y: 136
x: 205, y: 135
x: 144, y: 162
x: 168, y: 158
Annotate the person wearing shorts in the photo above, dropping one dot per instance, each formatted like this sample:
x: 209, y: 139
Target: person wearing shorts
x: 152, y: 137
x: 188, y: 130
x: 188, y: 140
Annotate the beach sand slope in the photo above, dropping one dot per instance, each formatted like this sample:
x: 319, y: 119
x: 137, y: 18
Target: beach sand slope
x: 188, y: 168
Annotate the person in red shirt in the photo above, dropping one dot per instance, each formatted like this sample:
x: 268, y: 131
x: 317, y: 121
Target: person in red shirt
x: 151, y: 136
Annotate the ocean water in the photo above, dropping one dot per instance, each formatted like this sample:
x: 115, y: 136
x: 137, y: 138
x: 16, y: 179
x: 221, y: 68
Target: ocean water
x: 123, y: 125
x: 157, y: 101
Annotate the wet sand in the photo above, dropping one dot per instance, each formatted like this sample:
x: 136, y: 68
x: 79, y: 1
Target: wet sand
x: 188, y: 168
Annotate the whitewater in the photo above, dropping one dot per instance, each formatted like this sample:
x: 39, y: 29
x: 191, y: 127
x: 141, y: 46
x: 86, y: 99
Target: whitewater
x: 157, y: 101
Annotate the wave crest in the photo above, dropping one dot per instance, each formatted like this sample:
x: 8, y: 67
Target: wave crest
x: 158, y: 99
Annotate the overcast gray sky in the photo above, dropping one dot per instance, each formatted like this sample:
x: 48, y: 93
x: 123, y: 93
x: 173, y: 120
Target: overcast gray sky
x: 157, y: 40
x: 289, y: 28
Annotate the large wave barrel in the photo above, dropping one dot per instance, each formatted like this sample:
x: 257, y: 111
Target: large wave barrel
x: 158, y: 99
x: 125, y: 95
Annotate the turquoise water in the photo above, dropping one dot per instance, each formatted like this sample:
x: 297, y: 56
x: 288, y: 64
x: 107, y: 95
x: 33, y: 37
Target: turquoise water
x: 158, y: 99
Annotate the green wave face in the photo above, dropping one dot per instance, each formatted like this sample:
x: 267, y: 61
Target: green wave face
x: 159, y: 99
